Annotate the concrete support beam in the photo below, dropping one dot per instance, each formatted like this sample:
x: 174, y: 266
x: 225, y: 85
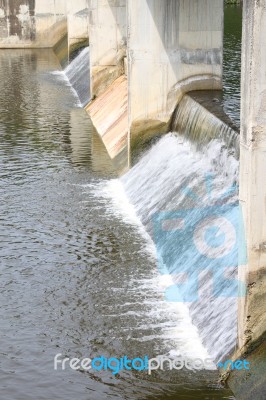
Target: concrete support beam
x: 77, y: 23
x: 173, y: 46
x: 107, y: 32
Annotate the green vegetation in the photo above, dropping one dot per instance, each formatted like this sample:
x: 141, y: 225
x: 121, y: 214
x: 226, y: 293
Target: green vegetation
x: 233, y: 1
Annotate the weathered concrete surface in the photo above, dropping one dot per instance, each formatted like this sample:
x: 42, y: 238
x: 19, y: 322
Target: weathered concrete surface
x: 109, y: 115
x: 173, y: 46
x: 165, y: 47
x: 32, y: 23
x: 249, y: 384
x: 252, y: 309
x: 77, y: 23
x: 107, y: 32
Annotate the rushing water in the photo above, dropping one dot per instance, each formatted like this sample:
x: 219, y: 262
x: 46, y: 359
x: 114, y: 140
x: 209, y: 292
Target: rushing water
x: 78, y: 270
x: 157, y: 186
x: 201, y: 126
x: 78, y: 73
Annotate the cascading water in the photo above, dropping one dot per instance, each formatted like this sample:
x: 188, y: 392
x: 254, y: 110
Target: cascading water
x: 200, y: 125
x: 78, y: 73
x: 174, y: 182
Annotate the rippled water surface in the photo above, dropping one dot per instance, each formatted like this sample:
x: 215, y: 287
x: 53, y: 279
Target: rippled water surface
x: 232, y: 61
x: 78, y: 275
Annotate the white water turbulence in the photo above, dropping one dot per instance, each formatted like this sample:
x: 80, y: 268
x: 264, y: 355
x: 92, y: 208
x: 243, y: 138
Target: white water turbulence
x: 188, y: 202
x: 201, y: 126
x: 78, y: 74
x: 167, y: 322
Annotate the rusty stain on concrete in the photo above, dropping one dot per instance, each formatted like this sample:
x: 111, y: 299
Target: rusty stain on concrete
x: 109, y: 115
x: 17, y: 19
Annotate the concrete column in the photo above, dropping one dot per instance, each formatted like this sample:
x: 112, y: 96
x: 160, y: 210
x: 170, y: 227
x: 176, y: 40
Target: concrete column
x: 173, y: 46
x: 107, y: 32
x: 251, y: 384
x: 77, y: 24
x: 146, y: 54
x: 252, y: 312
x: 109, y: 90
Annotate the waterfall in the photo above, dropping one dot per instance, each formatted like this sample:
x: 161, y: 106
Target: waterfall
x: 200, y: 126
x: 176, y: 189
x: 78, y: 74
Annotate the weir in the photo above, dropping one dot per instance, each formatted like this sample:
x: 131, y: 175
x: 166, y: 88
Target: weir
x: 201, y: 126
x: 137, y: 81
x: 208, y: 177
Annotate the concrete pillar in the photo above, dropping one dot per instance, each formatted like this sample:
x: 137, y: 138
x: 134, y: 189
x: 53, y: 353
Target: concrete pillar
x: 173, y: 46
x: 252, y: 313
x: 251, y: 384
x: 162, y: 48
x: 107, y: 32
x: 109, y: 89
x: 77, y: 24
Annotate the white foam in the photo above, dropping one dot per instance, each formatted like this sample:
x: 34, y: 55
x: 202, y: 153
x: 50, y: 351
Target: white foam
x: 184, y: 333
x: 156, y: 184
x: 60, y: 75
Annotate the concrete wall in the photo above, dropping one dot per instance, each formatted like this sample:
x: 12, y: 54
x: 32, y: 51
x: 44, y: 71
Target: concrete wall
x: 32, y: 23
x: 173, y: 46
x: 164, y: 47
x: 252, y: 309
x: 107, y: 33
x: 77, y: 23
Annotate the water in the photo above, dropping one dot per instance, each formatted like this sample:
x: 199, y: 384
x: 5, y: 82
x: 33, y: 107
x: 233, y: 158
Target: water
x: 201, y: 126
x: 171, y: 177
x: 78, y: 270
x: 78, y: 72
x: 232, y: 61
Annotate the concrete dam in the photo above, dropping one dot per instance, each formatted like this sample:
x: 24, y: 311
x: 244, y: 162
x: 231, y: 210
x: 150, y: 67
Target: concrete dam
x: 133, y: 199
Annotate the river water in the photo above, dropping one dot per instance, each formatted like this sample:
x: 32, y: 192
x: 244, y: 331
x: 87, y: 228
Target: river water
x: 78, y: 269
x: 232, y: 61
